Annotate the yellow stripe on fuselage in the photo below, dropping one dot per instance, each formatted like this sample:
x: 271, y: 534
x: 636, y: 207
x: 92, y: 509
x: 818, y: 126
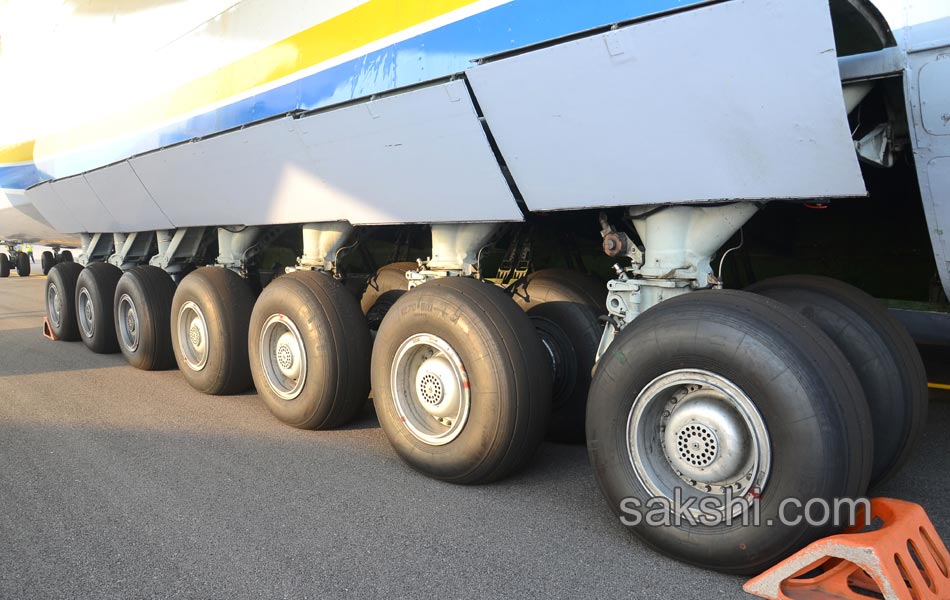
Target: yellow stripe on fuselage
x: 16, y: 153
x: 358, y: 27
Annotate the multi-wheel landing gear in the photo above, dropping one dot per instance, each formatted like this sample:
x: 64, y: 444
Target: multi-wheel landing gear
x: 800, y: 387
x: 804, y: 389
x: 15, y: 260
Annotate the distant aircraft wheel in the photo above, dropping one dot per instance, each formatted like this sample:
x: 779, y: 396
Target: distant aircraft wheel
x: 564, y: 307
x: 4, y: 265
x: 879, y: 349
x: 309, y: 350
x: 211, y: 312
x: 65, y: 256
x: 383, y: 289
x: 47, y: 260
x: 23, y: 264
x: 722, y: 393
x: 143, y: 301
x: 461, y: 381
x: 61, y: 301
x: 95, y: 293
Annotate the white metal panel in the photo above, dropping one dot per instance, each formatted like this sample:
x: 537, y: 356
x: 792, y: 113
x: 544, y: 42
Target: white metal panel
x: 126, y: 199
x: 739, y: 100
x: 82, y: 202
x: 53, y: 209
x: 935, y: 96
x: 416, y: 157
x: 20, y: 221
x: 229, y: 179
x: 421, y: 156
x: 938, y: 172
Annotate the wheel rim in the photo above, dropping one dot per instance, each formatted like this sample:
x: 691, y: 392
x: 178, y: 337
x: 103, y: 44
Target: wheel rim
x: 699, y: 432
x: 87, y: 313
x: 193, y: 336
x: 283, y: 356
x: 54, y: 305
x: 128, y: 323
x: 430, y: 389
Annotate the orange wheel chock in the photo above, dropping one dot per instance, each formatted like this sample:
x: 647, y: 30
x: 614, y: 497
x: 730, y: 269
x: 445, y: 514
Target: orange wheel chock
x: 904, y: 559
x: 47, y: 330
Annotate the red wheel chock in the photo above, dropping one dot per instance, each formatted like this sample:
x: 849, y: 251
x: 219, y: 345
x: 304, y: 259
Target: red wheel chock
x: 47, y: 330
x: 902, y: 560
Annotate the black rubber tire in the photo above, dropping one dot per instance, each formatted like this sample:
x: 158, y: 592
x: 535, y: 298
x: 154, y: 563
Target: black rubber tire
x: 99, y: 280
x: 47, y: 260
x: 337, y: 344
x: 65, y: 256
x: 4, y: 265
x: 64, y: 277
x: 508, y: 373
x: 562, y: 306
x: 226, y: 301
x: 23, y: 264
x: 806, y: 392
x: 150, y: 290
x: 383, y: 289
x: 879, y: 350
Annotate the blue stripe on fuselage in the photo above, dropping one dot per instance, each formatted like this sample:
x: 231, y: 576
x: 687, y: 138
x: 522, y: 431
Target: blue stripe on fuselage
x: 438, y: 53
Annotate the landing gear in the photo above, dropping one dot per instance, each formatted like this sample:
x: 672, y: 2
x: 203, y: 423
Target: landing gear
x: 716, y: 392
x: 95, y: 294
x: 47, y: 260
x: 4, y: 265
x: 61, y: 301
x: 309, y: 351
x: 143, y: 301
x: 65, y: 256
x: 210, y: 315
x: 564, y: 307
x: 878, y: 349
x: 461, y: 382
x: 23, y: 264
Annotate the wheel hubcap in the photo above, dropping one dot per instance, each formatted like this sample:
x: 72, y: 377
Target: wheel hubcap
x: 283, y: 357
x: 86, y: 314
x: 697, y: 431
x: 430, y: 389
x: 193, y: 336
x: 54, y: 305
x: 128, y: 323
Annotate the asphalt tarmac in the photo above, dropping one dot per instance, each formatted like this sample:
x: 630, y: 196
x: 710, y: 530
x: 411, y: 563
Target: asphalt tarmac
x: 119, y: 483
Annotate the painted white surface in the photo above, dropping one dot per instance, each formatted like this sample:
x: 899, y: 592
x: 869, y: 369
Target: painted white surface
x: 938, y: 172
x: 935, y: 96
x: 126, y: 199
x: 107, y: 55
x: 421, y: 156
x: 82, y: 202
x: 740, y: 100
x: 19, y: 220
x: 51, y: 206
x: 916, y: 23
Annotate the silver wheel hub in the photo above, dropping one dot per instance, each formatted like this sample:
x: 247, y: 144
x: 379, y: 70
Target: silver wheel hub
x: 699, y: 432
x: 193, y: 336
x: 437, y: 387
x: 287, y: 355
x: 128, y: 321
x: 54, y: 305
x: 430, y: 389
x: 706, y: 439
x: 86, y: 314
x: 283, y: 357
